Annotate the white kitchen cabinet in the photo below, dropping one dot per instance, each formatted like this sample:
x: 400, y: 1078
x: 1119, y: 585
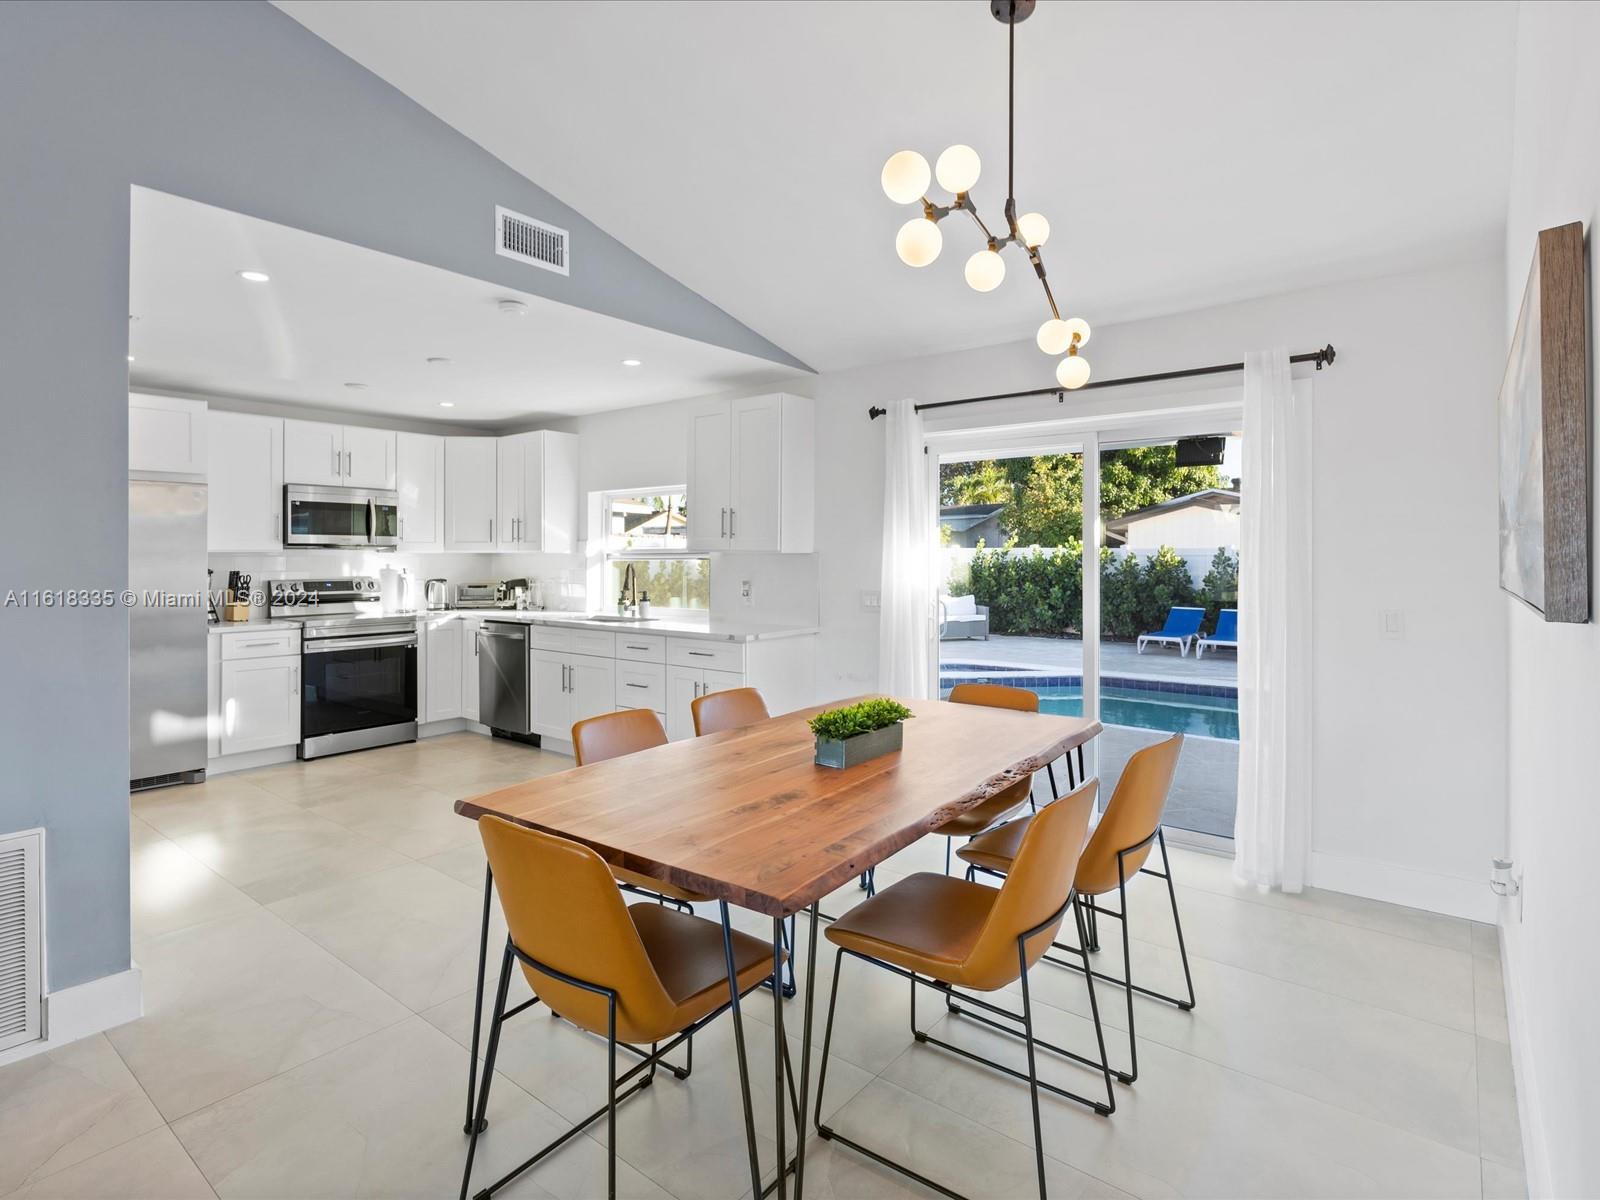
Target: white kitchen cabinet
x: 537, y: 499
x: 260, y: 703
x: 244, y: 478
x: 442, y: 664
x: 419, y: 478
x: 469, y: 665
x: 565, y: 688
x: 751, y: 480
x: 213, y: 697
x: 687, y: 684
x: 470, y: 493
x: 319, y: 452
x: 166, y: 435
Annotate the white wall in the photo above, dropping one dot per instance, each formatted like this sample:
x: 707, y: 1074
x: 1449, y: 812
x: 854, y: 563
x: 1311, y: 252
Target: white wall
x: 1409, y: 745
x: 1552, y: 951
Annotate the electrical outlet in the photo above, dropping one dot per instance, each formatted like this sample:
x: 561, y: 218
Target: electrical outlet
x: 870, y: 600
x: 746, y: 593
x: 1394, y: 624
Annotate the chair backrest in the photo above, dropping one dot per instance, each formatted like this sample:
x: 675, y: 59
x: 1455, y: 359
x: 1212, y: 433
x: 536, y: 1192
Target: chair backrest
x: 613, y: 734
x: 732, y: 709
x: 1132, y: 817
x: 563, y: 908
x: 1037, y: 884
x: 1227, y: 626
x: 995, y: 695
x: 1182, y: 622
x: 960, y: 606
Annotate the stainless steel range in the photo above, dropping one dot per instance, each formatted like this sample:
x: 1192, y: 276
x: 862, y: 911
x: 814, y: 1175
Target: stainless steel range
x: 358, y: 665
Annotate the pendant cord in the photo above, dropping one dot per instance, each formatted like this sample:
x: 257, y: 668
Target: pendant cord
x: 1011, y: 109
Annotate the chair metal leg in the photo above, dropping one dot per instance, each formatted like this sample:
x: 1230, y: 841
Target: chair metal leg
x: 1177, y: 925
x: 477, y: 1126
x: 1033, y: 1067
x: 477, y: 1003
x: 738, y: 1043
x: 805, y: 1056
x: 611, y: 1096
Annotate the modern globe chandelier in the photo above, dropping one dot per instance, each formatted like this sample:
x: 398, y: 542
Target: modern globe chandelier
x: 905, y: 181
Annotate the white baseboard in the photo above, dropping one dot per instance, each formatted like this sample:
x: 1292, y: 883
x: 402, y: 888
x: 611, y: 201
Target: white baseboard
x: 77, y: 1012
x: 250, y: 758
x: 1451, y: 895
x: 1535, y: 1153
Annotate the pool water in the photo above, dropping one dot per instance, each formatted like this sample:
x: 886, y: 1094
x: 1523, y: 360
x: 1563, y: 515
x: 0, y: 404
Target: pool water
x: 1176, y: 712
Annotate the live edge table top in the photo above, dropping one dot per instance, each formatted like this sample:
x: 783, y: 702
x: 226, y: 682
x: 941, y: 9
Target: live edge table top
x: 747, y: 817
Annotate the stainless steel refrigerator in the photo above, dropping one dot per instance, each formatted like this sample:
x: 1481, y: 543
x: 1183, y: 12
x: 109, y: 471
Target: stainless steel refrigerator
x: 166, y: 630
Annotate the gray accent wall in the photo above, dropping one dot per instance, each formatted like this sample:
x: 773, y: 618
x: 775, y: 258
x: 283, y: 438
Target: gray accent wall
x: 236, y: 105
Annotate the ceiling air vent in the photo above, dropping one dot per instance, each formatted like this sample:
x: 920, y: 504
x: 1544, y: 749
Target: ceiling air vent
x: 530, y: 241
x: 21, y: 952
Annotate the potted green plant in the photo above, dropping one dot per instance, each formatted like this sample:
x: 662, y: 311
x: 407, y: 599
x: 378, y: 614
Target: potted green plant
x: 858, y: 732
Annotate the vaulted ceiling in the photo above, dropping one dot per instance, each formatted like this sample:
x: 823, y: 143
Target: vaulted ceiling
x: 1186, y: 154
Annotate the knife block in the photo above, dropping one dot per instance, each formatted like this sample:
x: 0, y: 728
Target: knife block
x: 232, y: 610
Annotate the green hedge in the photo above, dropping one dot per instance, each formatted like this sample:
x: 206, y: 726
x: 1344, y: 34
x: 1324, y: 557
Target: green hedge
x: 1042, y: 593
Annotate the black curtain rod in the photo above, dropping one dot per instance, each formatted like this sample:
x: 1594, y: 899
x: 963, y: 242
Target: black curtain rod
x: 1322, y: 358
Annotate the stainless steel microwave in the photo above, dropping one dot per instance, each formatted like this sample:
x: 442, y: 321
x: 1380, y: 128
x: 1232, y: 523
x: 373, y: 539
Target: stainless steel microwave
x: 340, y: 516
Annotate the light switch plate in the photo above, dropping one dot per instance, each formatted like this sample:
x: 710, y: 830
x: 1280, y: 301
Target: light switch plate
x: 746, y: 593
x: 870, y: 600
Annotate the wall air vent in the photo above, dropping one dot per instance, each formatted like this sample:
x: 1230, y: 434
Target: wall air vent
x: 21, y: 939
x: 530, y: 241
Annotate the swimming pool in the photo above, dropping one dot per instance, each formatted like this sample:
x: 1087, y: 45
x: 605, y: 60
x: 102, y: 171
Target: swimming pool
x: 1144, y: 708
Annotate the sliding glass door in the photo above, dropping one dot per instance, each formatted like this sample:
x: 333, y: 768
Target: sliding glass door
x: 1141, y: 631
x: 1169, y: 537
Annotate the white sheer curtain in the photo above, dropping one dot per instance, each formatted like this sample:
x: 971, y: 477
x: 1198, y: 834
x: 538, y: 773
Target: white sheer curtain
x: 906, y: 616
x: 1271, y: 830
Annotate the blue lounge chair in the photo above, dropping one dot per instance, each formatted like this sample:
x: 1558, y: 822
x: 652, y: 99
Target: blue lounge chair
x: 1226, y: 634
x: 1182, y: 627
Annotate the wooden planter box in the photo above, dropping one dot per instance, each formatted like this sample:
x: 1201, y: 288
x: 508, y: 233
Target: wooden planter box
x: 862, y: 748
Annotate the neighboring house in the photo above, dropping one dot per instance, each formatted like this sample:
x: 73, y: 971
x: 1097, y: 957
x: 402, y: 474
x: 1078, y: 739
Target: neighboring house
x: 1193, y: 525
x: 970, y: 524
x: 1206, y: 518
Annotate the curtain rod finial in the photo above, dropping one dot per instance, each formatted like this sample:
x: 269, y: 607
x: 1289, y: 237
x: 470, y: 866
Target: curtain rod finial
x: 1326, y: 357
x: 874, y: 413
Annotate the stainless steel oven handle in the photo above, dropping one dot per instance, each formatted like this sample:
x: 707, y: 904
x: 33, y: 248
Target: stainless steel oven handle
x: 328, y: 645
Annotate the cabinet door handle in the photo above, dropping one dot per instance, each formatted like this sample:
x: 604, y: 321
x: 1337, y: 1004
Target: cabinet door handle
x: 701, y: 654
x: 722, y: 529
x: 630, y: 646
x: 640, y: 686
x: 349, y: 463
x: 732, y: 516
x: 336, y: 470
x: 491, y: 529
x: 253, y: 645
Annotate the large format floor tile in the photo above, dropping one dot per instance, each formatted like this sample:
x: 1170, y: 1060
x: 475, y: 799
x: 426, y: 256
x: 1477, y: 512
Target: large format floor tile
x: 233, y: 1002
x: 60, y: 1108
x: 308, y: 937
x: 380, y: 1118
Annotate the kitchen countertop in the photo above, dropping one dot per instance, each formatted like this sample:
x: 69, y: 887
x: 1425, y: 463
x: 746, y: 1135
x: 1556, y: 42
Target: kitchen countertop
x: 671, y: 626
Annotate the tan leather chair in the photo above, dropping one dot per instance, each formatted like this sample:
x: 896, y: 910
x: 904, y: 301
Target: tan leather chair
x: 1117, y: 851
x: 732, y: 709
x: 997, y: 808
x: 635, y: 975
x: 611, y: 735
x: 943, y: 933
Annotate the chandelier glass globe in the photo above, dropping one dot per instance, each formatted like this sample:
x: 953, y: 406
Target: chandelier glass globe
x: 1072, y: 372
x: 905, y: 177
x: 1054, y: 337
x: 918, y: 243
x: 1033, y: 229
x: 1077, y: 325
x: 985, y: 270
x: 957, y: 169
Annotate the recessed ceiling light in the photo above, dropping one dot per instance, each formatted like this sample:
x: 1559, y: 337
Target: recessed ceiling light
x: 356, y: 387
x: 254, y: 276
x: 438, y: 360
x: 130, y: 358
x: 632, y: 362
x: 447, y: 404
x: 513, y: 308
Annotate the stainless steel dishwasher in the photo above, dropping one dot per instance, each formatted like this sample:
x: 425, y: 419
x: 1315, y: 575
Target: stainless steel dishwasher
x: 503, y: 678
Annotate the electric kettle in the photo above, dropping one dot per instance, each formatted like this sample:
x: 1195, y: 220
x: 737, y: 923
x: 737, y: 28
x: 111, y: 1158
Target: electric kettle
x: 436, y: 594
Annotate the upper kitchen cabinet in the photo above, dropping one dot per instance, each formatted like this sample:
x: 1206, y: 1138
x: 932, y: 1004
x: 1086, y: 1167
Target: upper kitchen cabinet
x: 318, y: 452
x: 419, y: 478
x: 244, y: 477
x: 538, y: 492
x: 752, y: 475
x: 469, y: 499
x: 166, y: 435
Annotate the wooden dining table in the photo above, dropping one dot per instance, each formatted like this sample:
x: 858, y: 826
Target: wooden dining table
x: 748, y: 818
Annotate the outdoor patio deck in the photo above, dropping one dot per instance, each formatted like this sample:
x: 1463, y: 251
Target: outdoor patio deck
x: 1065, y: 655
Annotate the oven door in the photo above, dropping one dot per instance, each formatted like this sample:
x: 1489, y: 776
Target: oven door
x: 350, y: 685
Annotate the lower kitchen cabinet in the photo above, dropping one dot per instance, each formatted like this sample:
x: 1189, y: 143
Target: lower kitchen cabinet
x: 687, y: 684
x: 443, y: 666
x: 469, y: 665
x: 565, y: 688
x: 260, y: 703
